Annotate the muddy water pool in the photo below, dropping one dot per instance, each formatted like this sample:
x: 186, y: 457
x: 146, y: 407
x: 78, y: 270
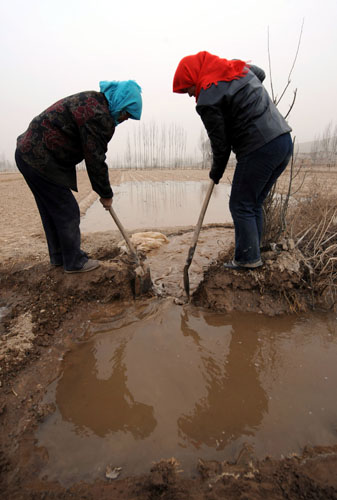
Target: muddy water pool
x: 158, y: 380
x: 159, y: 204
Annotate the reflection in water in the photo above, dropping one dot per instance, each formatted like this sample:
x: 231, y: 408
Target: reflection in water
x: 102, y: 401
x: 162, y: 381
x: 160, y: 204
x: 235, y: 400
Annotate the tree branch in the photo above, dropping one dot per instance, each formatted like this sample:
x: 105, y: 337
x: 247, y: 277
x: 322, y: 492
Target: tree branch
x: 269, y: 63
x: 293, y: 64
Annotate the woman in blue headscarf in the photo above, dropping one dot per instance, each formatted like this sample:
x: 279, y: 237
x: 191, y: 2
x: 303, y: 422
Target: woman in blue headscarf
x: 76, y: 128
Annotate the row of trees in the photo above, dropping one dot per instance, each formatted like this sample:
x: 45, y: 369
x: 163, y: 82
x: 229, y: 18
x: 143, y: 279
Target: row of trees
x: 160, y: 146
x: 6, y: 165
x: 152, y: 145
x: 149, y: 146
x: 324, y: 147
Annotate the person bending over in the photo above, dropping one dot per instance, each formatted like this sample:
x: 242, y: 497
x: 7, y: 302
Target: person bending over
x: 73, y: 129
x: 239, y: 116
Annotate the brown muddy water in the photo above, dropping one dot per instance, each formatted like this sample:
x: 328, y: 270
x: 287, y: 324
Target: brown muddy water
x: 142, y: 205
x: 156, y: 380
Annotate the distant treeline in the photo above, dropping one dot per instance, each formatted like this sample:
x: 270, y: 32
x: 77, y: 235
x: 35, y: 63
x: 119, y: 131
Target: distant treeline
x: 155, y: 146
x: 150, y: 146
x: 164, y: 146
x: 6, y: 165
x: 324, y: 147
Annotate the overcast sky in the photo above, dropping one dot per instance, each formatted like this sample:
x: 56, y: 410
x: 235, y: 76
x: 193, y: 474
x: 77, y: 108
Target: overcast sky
x: 54, y: 48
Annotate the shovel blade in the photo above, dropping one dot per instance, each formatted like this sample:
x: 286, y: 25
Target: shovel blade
x: 186, y: 268
x: 187, y: 280
x: 142, y: 280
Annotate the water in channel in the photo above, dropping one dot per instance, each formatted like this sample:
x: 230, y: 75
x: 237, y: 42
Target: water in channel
x: 142, y: 205
x: 158, y: 380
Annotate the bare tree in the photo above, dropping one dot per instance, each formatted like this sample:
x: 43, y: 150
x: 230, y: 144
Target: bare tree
x: 334, y: 146
x: 156, y: 147
x: 314, y: 150
x: 324, y: 147
x: 276, y: 99
x: 206, y: 149
x: 275, y: 206
x: 6, y: 165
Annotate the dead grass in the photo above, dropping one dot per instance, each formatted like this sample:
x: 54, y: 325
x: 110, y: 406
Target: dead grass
x: 313, y: 225
x: 302, y: 206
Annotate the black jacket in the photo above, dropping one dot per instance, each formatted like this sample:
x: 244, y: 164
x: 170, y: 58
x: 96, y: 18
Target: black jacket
x: 239, y: 116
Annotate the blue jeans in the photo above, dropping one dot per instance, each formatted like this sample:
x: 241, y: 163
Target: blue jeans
x: 60, y: 217
x: 254, y: 177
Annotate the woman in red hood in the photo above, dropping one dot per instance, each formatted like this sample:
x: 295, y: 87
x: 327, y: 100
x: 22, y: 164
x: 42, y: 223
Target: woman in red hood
x: 239, y: 116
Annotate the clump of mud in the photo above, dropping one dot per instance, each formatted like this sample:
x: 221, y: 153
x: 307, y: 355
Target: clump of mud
x: 279, y: 286
x: 163, y: 481
x: 291, y: 478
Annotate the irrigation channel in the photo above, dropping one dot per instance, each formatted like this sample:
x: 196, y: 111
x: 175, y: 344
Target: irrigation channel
x: 153, y: 379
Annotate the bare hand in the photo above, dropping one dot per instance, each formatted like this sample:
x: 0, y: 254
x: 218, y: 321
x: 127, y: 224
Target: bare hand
x: 106, y: 202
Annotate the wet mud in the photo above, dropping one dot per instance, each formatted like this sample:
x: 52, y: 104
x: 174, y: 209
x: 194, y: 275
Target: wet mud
x: 157, y: 374
x: 161, y: 388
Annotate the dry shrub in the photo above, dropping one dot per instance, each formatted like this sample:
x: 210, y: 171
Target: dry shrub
x: 298, y: 207
x: 274, y: 215
x: 313, y: 226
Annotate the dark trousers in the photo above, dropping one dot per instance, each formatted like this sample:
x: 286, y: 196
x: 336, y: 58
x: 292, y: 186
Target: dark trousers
x: 253, y: 178
x: 60, y: 217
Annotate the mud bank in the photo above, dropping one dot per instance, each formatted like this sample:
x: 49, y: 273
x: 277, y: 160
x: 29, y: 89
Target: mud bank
x: 278, y: 287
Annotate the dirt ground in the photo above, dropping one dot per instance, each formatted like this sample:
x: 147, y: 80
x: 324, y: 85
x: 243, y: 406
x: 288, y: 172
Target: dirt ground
x: 40, y: 307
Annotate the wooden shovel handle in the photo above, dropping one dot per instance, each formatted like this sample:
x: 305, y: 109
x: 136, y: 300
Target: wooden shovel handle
x: 202, y: 213
x: 122, y: 230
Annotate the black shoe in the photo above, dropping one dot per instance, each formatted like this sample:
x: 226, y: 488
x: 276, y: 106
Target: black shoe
x: 90, y: 265
x: 233, y: 265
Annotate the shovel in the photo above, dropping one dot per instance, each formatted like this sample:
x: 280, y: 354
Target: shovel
x: 143, y: 282
x: 195, y: 238
x: 125, y: 236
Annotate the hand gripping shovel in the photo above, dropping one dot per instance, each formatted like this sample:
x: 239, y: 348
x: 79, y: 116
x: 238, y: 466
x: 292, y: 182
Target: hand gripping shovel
x: 143, y: 282
x: 195, y: 238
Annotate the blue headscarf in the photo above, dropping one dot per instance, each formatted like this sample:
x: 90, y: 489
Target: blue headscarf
x: 123, y: 96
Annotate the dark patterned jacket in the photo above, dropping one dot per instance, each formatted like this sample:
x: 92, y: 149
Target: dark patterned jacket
x: 73, y: 129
